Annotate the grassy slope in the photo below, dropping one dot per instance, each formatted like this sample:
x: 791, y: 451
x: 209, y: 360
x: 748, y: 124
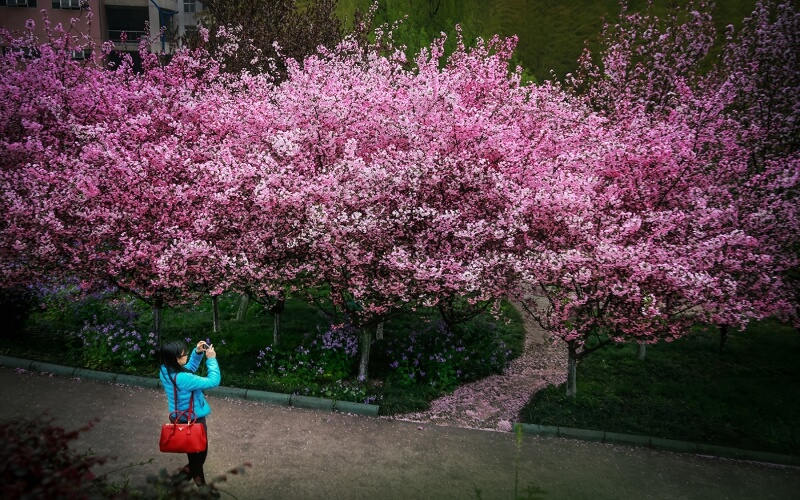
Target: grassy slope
x: 744, y: 397
x: 551, y: 32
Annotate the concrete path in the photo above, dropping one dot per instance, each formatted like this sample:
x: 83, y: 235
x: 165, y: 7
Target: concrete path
x: 306, y: 454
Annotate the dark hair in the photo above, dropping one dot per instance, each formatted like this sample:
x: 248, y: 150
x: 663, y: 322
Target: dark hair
x: 169, y: 355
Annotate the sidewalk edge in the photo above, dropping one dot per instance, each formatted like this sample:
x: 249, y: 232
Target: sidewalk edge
x: 658, y: 443
x: 263, y: 397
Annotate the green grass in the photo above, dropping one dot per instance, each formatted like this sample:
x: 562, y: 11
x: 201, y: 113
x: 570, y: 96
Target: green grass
x: 551, y: 32
x: 744, y: 397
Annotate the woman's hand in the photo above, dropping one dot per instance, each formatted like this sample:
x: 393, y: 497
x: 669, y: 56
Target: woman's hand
x: 210, y: 352
x: 201, y: 346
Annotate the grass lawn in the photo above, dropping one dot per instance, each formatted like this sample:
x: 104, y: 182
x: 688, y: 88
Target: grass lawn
x: 744, y: 397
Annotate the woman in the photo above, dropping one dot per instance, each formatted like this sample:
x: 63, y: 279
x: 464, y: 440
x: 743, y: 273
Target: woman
x: 178, y: 370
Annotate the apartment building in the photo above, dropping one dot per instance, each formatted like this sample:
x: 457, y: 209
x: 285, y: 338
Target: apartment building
x: 114, y: 20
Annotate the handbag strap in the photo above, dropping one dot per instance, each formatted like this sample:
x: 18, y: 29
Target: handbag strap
x: 190, y: 412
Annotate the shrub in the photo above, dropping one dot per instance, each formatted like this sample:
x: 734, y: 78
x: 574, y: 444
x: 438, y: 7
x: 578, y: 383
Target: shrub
x: 116, y: 345
x: 15, y: 307
x: 35, y: 462
x: 72, y: 303
x: 322, y: 358
x: 444, y: 359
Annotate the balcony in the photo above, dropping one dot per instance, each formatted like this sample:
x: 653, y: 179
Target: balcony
x: 131, y: 36
x: 127, y: 20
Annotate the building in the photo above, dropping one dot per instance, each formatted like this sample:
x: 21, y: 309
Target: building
x: 114, y: 20
x: 15, y: 13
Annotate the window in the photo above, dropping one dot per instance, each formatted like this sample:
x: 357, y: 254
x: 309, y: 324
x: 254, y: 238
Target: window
x: 80, y: 54
x: 26, y: 52
x: 70, y: 4
x: 190, y: 5
x: 18, y: 3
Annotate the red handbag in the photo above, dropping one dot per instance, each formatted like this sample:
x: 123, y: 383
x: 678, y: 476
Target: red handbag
x: 188, y: 437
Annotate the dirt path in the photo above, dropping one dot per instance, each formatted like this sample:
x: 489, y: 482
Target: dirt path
x: 495, y: 402
x: 298, y: 453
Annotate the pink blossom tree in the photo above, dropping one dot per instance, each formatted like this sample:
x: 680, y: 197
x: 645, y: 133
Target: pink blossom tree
x: 674, y: 226
x: 121, y: 184
x: 45, y: 101
x: 762, y: 68
x: 406, y: 202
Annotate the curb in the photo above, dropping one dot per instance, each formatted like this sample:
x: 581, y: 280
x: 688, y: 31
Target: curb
x: 264, y: 397
x: 657, y: 443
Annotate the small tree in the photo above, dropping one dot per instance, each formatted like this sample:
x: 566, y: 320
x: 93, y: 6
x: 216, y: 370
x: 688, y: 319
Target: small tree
x: 35, y: 461
x: 668, y: 233
x: 267, y: 31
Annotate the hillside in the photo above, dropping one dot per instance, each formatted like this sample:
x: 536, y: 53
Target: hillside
x: 551, y: 33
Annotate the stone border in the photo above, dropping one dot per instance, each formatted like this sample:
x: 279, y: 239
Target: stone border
x: 657, y: 443
x: 272, y: 398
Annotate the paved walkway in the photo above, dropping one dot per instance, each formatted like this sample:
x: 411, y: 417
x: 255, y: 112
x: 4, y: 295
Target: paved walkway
x: 305, y: 454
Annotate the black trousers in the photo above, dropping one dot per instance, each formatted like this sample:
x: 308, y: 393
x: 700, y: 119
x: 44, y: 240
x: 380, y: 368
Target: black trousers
x: 197, y: 460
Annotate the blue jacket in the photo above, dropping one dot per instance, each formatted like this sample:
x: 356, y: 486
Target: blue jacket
x: 189, y: 383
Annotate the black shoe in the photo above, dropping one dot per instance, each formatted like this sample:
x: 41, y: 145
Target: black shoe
x: 210, y: 491
x: 183, y: 475
x: 206, y: 489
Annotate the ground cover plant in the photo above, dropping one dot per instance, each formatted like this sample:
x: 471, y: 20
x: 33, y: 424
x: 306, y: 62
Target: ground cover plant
x: 741, y: 396
x: 416, y: 359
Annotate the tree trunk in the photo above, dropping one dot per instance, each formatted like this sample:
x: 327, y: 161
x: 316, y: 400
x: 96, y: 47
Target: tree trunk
x: 157, y: 326
x: 723, y: 337
x: 244, y: 304
x: 640, y: 354
x: 445, y: 307
x: 379, y: 331
x: 157, y: 322
x: 276, y: 329
x: 215, y: 309
x: 572, y: 372
x: 276, y: 309
x: 363, y: 364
